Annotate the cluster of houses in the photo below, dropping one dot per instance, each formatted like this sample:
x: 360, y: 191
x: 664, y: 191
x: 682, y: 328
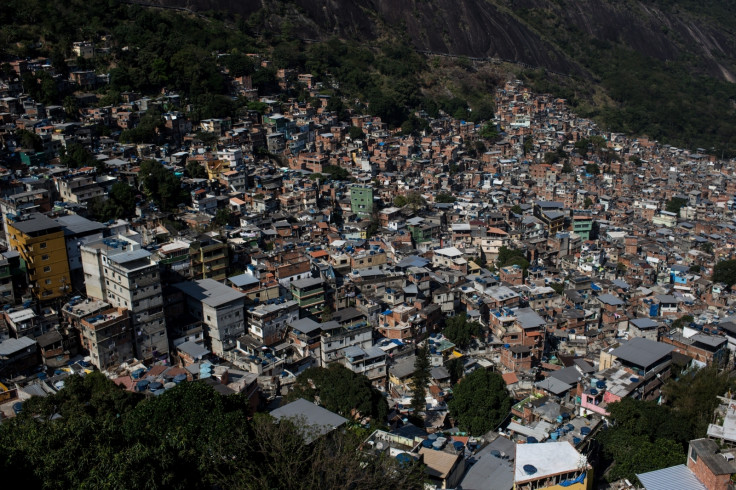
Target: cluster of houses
x: 355, y: 249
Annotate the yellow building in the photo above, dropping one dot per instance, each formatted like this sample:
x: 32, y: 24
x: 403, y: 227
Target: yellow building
x: 40, y: 242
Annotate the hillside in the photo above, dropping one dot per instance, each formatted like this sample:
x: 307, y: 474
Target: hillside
x: 661, y: 67
x: 664, y: 68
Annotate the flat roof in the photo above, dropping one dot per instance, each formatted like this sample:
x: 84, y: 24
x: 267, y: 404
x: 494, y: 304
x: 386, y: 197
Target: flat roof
x: 549, y: 458
x: 209, y: 292
x: 74, y: 224
x: 34, y: 223
x: 11, y: 346
x: 642, y: 352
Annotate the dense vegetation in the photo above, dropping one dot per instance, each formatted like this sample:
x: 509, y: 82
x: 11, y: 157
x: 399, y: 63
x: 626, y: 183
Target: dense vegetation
x: 152, y: 49
x: 92, y: 434
x: 480, y: 402
x: 646, y: 436
x: 627, y: 91
x: 342, y: 391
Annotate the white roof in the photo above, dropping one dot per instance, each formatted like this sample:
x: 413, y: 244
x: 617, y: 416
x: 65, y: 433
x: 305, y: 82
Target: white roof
x: 21, y: 315
x: 449, y: 252
x: 549, y: 458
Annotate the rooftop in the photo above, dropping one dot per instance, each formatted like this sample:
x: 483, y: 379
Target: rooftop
x: 313, y: 420
x: 550, y: 458
x: 210, y: 292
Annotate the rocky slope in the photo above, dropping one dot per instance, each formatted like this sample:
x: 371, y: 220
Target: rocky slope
x: 543, y: 33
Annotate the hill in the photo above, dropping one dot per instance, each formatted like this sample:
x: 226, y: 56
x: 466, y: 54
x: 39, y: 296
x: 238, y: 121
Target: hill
x: 661, y: 67
x: 664, y: 68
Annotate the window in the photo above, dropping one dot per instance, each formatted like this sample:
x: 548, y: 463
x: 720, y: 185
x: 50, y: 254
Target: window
x: 693, y: 455
x: 48, y: 281
x: 47, y: 268
x: 44, y: 257
x: 42, y: 245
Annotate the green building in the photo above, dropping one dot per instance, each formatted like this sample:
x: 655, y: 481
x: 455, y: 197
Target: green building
x: 361, y: 200
x: 310, y: 296
x: 582, y: 223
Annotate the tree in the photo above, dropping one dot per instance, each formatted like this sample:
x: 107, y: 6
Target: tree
x: 411, y: 198
x: 480, y: 402
x: 511, y: 256
x: 444, y: 197
x: 725, y: 272
x: 195, y: 170
x: 587, y: 203
x: 420, y: 379
x: 75, y: 155
x: 120, y: 203
x: 567, y: 168
x: 28, y: 140
x: 71, y: 108
x: 456, y: 368
x: 341, y: 391
x: 592, y: 169
x: 490, y: 132
x: 675, y: 204
x: 188, y: 437
x: 683, y: 321
x: 223, y: 217
x: 161, y: 185
x: 516, y: 209
x: 355, y: 133
x: 460, y: 331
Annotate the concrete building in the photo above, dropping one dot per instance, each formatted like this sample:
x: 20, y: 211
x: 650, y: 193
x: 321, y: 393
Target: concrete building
x: 361, y: 200
x: 108, y: 337
x: 78, y: 231
x: 551, y: 465
x: 220, y: 308
x: 118, y: 271
x: 40, y: 242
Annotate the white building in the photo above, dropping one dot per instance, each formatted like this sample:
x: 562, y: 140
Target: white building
x: 221, y: 310
x: 118, y: 271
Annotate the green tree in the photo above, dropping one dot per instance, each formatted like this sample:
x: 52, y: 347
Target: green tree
x: 342, y: 391
x: 355, y: 133
x: 516, y: 209
x: 683, y: 321
x: 490, y: 132
x: 444, y: 197
x: 420, y: 379
x: 223, y: 217
x: 456, y: 368
x: 28, y: 140
x: 161, y: 185
x: 411, y: 198
x: 120, y: 203
x: 511, y: 256
x: 195, y: 170
x: 75, y: 155
x: 592, y: 169
x: 480, y: 402
x: 567, y: 168
x: 675, y: 204
x: 460, y: 331
x: 725, y: 271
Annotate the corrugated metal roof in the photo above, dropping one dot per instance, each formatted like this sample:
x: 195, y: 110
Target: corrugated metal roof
x: 665, y: 478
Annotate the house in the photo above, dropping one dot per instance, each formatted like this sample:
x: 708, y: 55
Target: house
x: 708, y: 468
